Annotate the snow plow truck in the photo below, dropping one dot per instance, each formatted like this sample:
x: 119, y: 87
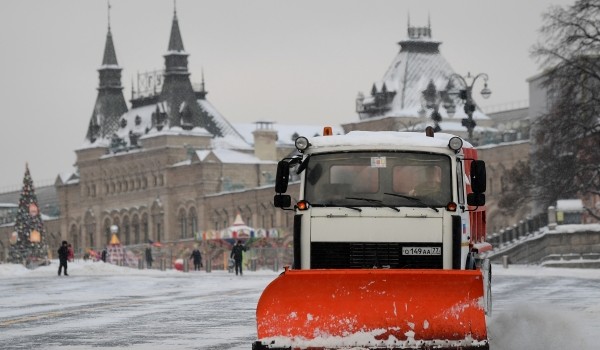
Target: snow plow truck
x: 388, y: 233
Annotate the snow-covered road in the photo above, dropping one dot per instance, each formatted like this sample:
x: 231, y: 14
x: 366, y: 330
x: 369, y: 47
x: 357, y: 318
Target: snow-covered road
x: 103, y: 306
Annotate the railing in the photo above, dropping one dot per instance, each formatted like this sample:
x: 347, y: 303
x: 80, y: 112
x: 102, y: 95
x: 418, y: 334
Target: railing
x: 512, y: 234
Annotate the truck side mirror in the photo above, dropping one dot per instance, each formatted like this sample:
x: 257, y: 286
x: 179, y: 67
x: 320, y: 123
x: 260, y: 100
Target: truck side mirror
x: 282, y: 177
x: 478, y: 176
x: 282, y: 201
x: 476, y: 199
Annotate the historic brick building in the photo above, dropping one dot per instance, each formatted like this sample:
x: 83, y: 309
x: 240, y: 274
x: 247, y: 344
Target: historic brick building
x: 169, y: 168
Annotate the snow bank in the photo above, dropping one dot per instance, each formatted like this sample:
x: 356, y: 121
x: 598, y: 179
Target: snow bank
x: 91, y: 268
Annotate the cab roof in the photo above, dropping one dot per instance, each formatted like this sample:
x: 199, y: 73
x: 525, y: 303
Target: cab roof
x: 383, y: 140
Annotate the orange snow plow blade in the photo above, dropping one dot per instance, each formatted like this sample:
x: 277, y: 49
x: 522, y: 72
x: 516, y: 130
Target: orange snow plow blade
x: 373, y: 309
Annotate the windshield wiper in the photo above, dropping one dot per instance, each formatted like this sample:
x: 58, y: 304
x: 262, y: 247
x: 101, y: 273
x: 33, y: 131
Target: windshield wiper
x: 413, y: 199
x: 370, y: 200
x: 335, y: 206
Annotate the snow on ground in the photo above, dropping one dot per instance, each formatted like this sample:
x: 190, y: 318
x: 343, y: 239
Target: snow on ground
x: 110, y: 307
x: 545, y: 308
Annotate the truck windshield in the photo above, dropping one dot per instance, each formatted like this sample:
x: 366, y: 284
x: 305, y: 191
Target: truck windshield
x: 378, y: 179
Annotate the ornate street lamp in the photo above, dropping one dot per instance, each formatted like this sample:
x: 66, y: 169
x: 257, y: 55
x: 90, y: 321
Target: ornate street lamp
x: 431, y: 99
x: 466, y: 95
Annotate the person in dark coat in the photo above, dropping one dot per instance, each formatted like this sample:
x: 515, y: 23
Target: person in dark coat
x: 197, y: 256
x: 149, y: 259
x: 103, y: 256
x: 63, y: 257
x: 237, y: 255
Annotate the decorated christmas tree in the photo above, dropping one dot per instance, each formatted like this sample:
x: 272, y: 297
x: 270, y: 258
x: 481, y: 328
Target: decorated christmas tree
x: 28, y: 243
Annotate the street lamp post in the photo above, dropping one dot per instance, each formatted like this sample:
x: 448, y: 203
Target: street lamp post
x: 431, y: 99
x: 466, y: 95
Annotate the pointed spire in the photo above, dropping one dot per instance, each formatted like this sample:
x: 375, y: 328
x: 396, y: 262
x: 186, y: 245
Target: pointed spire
x: 175, y: 41
x: 110, y: 103
x: 429, y: 22
x: 108, y: 4
x: 110, y: 57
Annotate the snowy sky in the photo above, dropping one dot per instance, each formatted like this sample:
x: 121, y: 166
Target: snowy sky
x: 282, y: 61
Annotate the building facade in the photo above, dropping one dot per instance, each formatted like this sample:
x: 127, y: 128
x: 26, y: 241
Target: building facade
x: 168, y: 168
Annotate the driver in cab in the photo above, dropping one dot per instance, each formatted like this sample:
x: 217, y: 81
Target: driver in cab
x: 431, y: 186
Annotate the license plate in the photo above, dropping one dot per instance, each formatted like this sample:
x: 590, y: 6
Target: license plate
x: 421, y: 250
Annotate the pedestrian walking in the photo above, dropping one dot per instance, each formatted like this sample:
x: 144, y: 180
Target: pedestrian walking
x: 71, y: 256
x: 149, y: 259
x: 103, y: 255
x: 237, y: 255
x: 63, y: 256
x: 197, y: 256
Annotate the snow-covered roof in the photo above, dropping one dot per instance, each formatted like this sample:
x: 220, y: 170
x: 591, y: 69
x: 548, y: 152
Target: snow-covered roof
x: 453, y: 126
x: 569, y: 205
x: 139, y: 121
x: 384, y: 138
x: 176, y: 130
x: 226, y: 128
x: 67, y: 178
x: 286, y: 131
x: 231, y: 157
x: 511, y: 143
x: 418, y: 63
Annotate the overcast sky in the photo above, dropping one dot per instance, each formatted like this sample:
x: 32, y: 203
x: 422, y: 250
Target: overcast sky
x: 275, y: 60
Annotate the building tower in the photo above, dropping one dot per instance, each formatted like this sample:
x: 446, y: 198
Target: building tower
x: 110, y: 103
x: 177, y: 97
x: 399, y: 92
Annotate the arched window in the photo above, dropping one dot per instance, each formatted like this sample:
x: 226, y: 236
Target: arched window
x: 182, y: 224
x: 126, y: 230
x: 90, y: 227
x: 106, y: 231
x: 193, y: 219
x: 145, y: 228
x: 135, y: 223
x: 157, y: 220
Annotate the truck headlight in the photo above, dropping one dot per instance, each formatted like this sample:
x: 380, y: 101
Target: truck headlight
x: 302, y: 143
x: 455, y: 143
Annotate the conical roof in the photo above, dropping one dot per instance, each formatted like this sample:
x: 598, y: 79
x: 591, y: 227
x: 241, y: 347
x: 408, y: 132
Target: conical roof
x: 114, y: 240
x: 110, y: 56
x: 418, y: 71
x: 110, y: 103
x: 399, y: 92
x: 238, y: 221
x: 175, y: 41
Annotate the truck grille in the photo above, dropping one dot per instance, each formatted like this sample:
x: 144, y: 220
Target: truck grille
x: 359, y: 255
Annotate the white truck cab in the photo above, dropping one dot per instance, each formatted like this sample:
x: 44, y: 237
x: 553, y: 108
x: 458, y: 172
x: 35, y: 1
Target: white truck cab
x: 395, y: 200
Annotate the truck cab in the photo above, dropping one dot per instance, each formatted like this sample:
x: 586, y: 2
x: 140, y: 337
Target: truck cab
x: 384, y: 200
